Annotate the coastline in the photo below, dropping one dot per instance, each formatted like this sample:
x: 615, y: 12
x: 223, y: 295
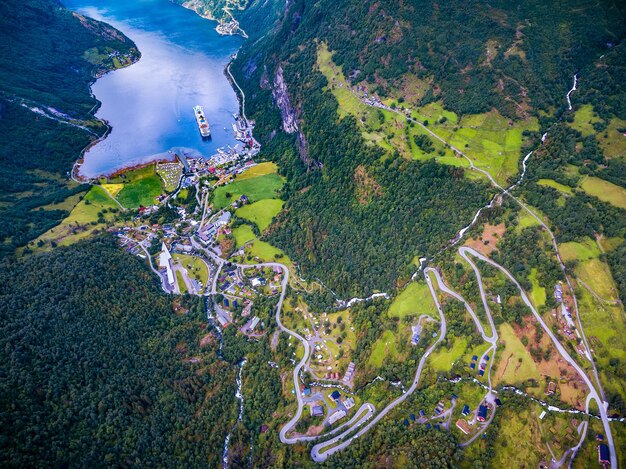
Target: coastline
x: 96, y: 75
x: 159, y: 157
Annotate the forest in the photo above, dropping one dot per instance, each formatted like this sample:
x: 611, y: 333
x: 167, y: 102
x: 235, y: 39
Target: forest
x: 97, y: 368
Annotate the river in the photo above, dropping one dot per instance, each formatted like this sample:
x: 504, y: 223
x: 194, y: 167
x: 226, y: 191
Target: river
x: 149, y: 104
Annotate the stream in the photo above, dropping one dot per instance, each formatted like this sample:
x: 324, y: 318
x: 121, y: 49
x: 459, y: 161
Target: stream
x: 239, y: 396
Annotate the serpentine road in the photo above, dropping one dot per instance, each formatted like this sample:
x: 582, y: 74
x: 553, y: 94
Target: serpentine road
x: 316, y: 453
x: 593, y: 393
x: 366, y: 411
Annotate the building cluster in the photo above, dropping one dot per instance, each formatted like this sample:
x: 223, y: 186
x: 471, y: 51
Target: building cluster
x: 483, y: 364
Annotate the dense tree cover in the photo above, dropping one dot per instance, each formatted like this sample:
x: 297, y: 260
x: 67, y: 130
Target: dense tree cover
x: 98, y: 369
x: 44, y: 51
x: 504, y: 55
x: 358, y: 233
x: 391, y: 444
x: 42, y: 63
x: 29, y: 143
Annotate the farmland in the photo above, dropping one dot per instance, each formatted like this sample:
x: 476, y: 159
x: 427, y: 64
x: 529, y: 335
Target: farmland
x: 261, y: 213
x: 256, y: 188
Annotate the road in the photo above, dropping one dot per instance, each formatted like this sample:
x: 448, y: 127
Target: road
x: 520, y: 203
x: 602, y: 405
x: 316, y: 453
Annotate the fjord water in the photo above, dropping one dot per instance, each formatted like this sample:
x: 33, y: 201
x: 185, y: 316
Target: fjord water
x: 149, y: 104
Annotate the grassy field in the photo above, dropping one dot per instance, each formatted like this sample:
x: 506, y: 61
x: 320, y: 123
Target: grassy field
x: 614, y: 144
x: 113, y: 189
x: 605, y: 191
x: 515, y: 364
x: 261, y: 213
x: 82, y: 220
x: 525, y: 220
x: 384, y: 348
x: 256, y: 188
x: 605, y: 328
x: 519, y: 442
x: 195, y: 267
x: 584, y: 118
x: 443, y: 358
x: 538, y: 293
x: 489, y: 140
x: 597, y: 275
x: 267, y: 253
x: 415, y: 299
x: 584, y: 250
x: 243, y: 234
x: 142, y: 187
x: 556, y: 185
x: 260, y: 169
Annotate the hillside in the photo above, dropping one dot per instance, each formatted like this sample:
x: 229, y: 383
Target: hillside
x: 473, y: 74
x: 48, y: 58
x: 106, y: 373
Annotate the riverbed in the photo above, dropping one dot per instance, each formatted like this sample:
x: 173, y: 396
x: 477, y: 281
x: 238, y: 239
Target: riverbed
x: 149, y: 104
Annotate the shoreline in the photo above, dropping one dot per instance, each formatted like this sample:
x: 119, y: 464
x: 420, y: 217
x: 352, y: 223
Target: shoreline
x: 75, y: 171
x: 158, y: 158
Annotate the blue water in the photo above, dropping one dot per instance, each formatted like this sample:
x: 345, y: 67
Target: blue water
x: 149, y: 104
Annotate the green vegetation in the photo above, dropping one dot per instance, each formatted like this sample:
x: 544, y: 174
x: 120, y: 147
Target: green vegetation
x: 37, y: 152
x: 443, y: 358
x: 196, y: 267
x: 581, y: 251
x: 141, y: 187
x: 256, y: 188
x: 414, y: 300
x: 605, y: 191
x: 537, y: 293
x: 515, y: 365
x: 584, y: 118
x: 89, y: 215
x: 558, y: 186
x: 261, y: 213
x: 243, y: 234
x: 260, y: 169
x: 110, y: 348
x: 384, y: 349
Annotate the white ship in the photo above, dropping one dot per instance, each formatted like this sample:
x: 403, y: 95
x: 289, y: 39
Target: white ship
x: 203, y: 124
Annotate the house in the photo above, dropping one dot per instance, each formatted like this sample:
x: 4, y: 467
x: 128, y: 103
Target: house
x: 336, y: 416
x: 604, y: 456
x: 498, y: 402
x: 335, y: 395
x: 551, y: 388
x: 422, y: 413
x: 307, y: 391
x: 482, y: 413
x: 258, y: 281
x: 472, y: 366
x: 600, y: 437
x: 348, y: 403
x: 466, y: 410
x: 474, y: 358
x: 317, y: 411
x: 412, y: 417
x: 223, y: 219
x: 462, y: 425
x: 486, y: 358
x: 481, y: 372
x: 165, y: 262
x: 406, y: 422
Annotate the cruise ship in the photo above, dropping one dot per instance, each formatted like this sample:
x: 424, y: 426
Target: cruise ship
x: 203, y: 124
